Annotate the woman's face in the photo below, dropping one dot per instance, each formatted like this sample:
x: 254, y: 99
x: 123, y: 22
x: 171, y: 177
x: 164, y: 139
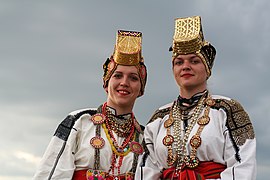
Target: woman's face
x: 123, y: 87
x: 190, y: 72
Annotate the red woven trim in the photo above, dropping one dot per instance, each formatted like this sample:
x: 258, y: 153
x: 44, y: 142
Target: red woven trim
x: 205, y: 170
x: 81, y: 175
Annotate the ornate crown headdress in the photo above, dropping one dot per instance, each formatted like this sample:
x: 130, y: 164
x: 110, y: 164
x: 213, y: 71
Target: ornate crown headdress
x: 188, y: 38
x: 127, y: 52
x: 128, y: 46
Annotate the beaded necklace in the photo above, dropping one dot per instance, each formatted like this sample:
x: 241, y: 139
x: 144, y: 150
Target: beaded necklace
x: 179, y: 140
x: 119, y: 151
x: 180, y: 158
x: 131, y: 142
x: 122, y: 127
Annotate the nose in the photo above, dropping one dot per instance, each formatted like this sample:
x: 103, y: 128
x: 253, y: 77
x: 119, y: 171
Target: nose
x: 186, y: 65
x: 124, y: 82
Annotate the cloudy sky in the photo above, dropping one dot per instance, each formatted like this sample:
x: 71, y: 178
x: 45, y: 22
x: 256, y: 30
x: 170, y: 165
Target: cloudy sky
x: 51, y: 56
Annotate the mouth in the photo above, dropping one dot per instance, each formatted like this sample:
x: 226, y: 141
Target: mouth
x: 123, y: 92
x: 186, y: 75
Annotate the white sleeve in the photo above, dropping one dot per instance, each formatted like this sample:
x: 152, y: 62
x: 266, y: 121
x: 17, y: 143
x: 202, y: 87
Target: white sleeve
x: 246, y: 167
x: 240, y: 144
x: 148, y: 167
x: 58, y: 159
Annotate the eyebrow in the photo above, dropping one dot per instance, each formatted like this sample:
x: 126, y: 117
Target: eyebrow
x: 136, y: 74
x: 192, y: 57
x: 120, y: 72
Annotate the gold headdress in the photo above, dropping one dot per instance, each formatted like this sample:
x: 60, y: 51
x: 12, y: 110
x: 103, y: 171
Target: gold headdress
x: 188, y: 38
x: 127, y: 52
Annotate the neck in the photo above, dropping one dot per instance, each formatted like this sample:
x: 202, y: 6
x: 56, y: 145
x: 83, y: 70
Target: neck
x: 119, y: 109
x: 188, y: 93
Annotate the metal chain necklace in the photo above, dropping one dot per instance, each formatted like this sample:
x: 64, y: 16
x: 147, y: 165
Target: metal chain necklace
x: 179, y: 138
x: 180, y: 141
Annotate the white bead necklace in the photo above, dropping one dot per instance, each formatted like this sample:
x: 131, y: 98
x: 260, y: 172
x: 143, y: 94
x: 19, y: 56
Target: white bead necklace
x: 181, y: 142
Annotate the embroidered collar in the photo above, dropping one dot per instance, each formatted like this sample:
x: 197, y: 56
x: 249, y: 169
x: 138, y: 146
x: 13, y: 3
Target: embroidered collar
x: 121, y: 116
x: 193, y: 101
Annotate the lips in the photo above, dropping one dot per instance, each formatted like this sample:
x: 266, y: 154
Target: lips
x: 186, y: 75
x: 123, y: 92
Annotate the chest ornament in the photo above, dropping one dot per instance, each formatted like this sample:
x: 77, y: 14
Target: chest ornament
x: 177, y: 136
x: 136, y: 147
x: 125, y: 127
x: 98, y: 118
x: 97, y: 142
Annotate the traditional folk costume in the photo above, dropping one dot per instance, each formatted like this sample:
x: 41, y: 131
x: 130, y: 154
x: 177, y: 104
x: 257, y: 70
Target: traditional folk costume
x: 205, y: 137
x: 96, y: 143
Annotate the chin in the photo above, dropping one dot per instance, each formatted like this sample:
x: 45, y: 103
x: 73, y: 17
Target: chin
x: 187, y: 85
x: 123, y: 103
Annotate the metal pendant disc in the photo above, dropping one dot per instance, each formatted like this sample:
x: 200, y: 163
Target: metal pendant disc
x: 98, y: 118
x: 97, y: 142
x: 168, y: 140
x: 136, y: 147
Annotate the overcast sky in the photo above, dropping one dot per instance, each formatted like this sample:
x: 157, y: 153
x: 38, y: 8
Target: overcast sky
x: 51, y: 56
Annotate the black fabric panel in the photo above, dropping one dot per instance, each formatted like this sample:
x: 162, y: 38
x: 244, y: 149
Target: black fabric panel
x: 67, y: 124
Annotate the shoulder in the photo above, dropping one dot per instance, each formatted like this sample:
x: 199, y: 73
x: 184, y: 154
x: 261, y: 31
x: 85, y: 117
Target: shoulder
x: 64, y: 128
x: 229, y: 105
x: 80, y: 112
x: 220, y: 97
x: 77, y: 114
x: 233, y: 109
x: 161, y: 112
x: 238, y: 121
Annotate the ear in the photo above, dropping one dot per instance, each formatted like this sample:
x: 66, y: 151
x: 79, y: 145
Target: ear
x: 173, y: 58
x: 140, y: 94
x: 106, y: 89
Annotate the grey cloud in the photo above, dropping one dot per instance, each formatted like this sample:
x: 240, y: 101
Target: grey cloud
x: 52, y: 54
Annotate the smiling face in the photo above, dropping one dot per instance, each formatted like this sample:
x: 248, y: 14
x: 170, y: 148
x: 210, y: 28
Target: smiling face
x: 123, y: 89
x: 190, y: 74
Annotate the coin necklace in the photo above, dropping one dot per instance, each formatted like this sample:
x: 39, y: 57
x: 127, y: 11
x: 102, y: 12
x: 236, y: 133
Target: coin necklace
x: 192, y: 161
x: 177, y: 158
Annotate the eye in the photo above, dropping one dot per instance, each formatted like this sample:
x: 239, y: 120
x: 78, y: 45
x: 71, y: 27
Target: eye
x: 195, y: 61
x: 117, y: 75
x: 134, y: 77
x: 178, y: 62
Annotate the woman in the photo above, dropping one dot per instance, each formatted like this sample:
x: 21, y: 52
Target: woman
x: 104, y: 142
x: 199, y: 135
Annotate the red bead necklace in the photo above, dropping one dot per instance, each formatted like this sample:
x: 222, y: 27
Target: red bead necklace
x: 120, y: 148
